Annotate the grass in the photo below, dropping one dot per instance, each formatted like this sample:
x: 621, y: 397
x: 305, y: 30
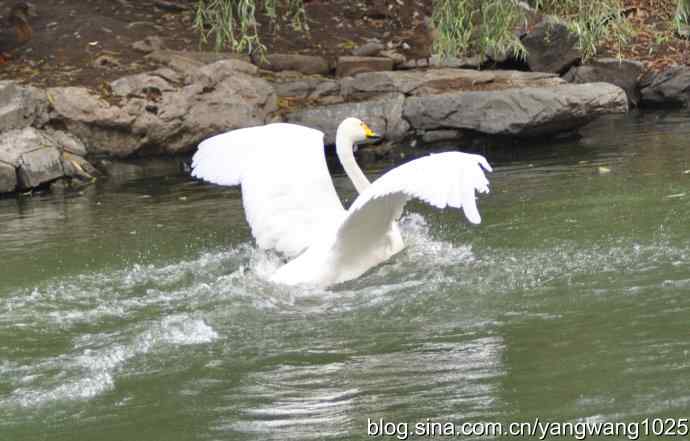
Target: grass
x: 463, y: 27
x: 232, y: 24
x: 682, y: 16
x: 471, y: 27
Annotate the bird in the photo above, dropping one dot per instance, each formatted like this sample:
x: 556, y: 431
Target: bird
x: 292, y: 207
x: 19, y: 33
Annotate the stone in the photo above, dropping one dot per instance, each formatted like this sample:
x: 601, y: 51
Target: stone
x: 106, y: 62
x: 307, y: 88
x: 473, y: 62
x: 435, y: 81
x: 188, y: 62
x: 434, y: 136
x: 77, y: 167
x: 38, y: 167
x: 161, y: 112
x: 623, y: 73
x: 398, y: 58
x: 103, y: 127
x: 551, y: 47
x: 349, y: 66
x: 670, y: 87
x: 34, y: 156
x: 67, y: 142
x: 170, y: 6
x: 306, y: 64
x: 8, y: 178
x: 524, y: 112
x: 384, y: 116
x: 370, y: 49
x: 20, y: 106
x: 149, y: 44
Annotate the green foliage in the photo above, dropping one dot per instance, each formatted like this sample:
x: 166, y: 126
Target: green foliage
x: 594, y: 21
x: 462, y: 27
x: 469, y: 27
x: 682, y: 18
x: 232, y: 23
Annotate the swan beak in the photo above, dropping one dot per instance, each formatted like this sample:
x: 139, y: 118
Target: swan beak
x: 370, y: 134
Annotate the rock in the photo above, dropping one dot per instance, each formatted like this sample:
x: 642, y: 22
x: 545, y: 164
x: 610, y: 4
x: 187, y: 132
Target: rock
x: 349, y: 66
x: 370, y: 49
x: 39, y: 166
x: 437, y: 81
x: 8, y: 178
x: 384, y: 116
x: 434, y: 136
x: 104, y: 128
x: 20, y: 106
x: 668, y: 88
x: 106, y: 62
x: 187, y: 62
x: 623, y: 73
x: 398, y: 58
x: 306, y: 64
x: 35, y: 157
x: 77, y: 167
x: 67, y: 142
x: 473, y: 62
x: 307, y: 88
x: 58, y: 187
x: 170, y: 6
x: 524, y: 112
x: 149, y: 44
x: 152, y: 114
x: 419, y: 63
x: 551, y: 47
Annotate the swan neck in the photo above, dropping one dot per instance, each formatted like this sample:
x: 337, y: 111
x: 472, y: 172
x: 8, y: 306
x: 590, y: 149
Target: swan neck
x: 343, y: 146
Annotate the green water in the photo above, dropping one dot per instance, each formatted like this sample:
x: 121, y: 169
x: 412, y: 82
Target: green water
x: 139, y: 309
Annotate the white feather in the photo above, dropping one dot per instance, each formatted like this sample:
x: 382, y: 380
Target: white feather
x: 291, y: 204
x: 287, y: 192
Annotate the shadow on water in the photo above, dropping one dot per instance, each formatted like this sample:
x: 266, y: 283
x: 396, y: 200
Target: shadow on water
x: 140, y: 308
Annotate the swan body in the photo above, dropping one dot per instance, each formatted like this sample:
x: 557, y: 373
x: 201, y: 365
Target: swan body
x: 292, y: 207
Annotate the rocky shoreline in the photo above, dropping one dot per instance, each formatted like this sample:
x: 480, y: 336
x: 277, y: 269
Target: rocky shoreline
x: 55, y: 133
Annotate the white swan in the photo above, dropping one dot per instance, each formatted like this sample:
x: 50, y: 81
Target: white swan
x: 292, y: 206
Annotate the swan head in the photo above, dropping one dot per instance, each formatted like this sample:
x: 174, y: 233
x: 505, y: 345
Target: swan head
x: 354, y: 130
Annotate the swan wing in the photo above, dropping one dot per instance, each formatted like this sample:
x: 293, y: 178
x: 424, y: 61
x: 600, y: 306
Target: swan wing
x: 442, y: 180
x: 287, y: 192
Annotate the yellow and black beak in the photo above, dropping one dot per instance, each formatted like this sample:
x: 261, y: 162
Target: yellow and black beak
x: 370, y: 134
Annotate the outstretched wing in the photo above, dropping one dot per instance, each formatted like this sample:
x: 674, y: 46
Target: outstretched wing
x: 441, y: 180
x: 287, y: 191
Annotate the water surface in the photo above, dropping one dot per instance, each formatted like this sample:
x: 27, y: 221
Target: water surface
x: 139, y: 309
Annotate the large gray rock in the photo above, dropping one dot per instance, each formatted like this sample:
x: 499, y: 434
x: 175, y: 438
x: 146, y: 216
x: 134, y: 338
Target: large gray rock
x: 306, y: 64
x: 668, y: 88
x: 103, y: 127
x: 35, y: 157
x: 437, y: 81
x: 39, y: 166
x: 307, y: 88
x: 20, y: 106
x: 165, y: 111
x: 8, y: 178
x: 551, y: 47
x: 519, y: 112
x: 622, y: 73
x: 190, y: 61
x: 384, y: 116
